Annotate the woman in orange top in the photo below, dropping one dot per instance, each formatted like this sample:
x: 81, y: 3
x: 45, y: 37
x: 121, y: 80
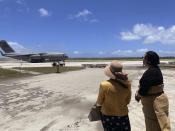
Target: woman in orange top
x: 114, y: 96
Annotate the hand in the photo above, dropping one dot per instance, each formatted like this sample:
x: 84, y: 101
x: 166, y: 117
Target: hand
x: 96, y: 105
x: 137, y: 96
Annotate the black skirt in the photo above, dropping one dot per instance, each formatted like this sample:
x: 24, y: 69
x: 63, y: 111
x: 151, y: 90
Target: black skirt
x: 115, y: 123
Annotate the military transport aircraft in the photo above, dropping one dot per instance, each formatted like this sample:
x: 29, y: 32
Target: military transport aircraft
x: 33, y: 57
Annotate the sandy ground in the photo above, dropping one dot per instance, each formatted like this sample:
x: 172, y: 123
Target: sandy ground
x: 61, y: 102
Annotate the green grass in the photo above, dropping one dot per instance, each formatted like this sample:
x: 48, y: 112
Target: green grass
x: 47, y: 70
x: 7, y: 74
x: 101, y: 59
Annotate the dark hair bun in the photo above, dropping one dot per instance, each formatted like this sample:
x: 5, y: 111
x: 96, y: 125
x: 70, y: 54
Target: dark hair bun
x: 152, y: 58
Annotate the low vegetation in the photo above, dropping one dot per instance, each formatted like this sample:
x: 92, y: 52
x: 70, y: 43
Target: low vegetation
x: 167, y: 65
x: 47, y: 70
x: 162, y: 66
x: 114, y: 58
x: 101, y: 59
x: 7, y: 74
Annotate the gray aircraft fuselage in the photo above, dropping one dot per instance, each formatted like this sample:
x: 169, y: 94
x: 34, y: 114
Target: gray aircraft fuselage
x: 38, y: 57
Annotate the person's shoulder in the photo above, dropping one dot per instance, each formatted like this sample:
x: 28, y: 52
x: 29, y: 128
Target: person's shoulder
x: 154, y: 69
x: 129, y: 84
x: 105, y: 84
x: 150, y: 70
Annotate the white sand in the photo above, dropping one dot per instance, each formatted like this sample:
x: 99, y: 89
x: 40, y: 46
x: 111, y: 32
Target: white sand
x: 61, y: 102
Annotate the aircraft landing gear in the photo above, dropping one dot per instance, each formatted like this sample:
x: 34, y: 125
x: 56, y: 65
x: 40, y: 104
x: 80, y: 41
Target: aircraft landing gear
x: 57, y: 65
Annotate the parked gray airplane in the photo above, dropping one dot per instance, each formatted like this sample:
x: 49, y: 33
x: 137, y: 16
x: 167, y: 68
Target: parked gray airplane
x: 34, y: 58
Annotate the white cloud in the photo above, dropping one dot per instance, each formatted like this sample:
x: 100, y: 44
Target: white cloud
x: 150, y: 34
x: 44, y: 12
x: 129, y: 36
x: 84, y: 15
x: 17, y: 47
x: 122, y: 52
x: 142, y: 50
x: 76, y: 52
x: 165, y: 52
x: 129, y: 53
x: 144, y: 30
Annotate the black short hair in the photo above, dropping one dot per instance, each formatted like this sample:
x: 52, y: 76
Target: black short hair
x: 152, y: 58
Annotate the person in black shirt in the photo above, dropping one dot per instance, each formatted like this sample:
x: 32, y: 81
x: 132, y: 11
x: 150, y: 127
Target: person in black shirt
x: 153, y: 76
x: 154, y: 100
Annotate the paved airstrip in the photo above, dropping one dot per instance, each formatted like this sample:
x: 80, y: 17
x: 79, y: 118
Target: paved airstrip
x: 24, y: 64
x: 61, y: 102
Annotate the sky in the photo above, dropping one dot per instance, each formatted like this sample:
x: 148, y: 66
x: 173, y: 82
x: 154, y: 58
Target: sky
x: 89, y: 28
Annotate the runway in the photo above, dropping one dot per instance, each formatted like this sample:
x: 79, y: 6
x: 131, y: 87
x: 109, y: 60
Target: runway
x: 12, y: 64
x: 61, y: 102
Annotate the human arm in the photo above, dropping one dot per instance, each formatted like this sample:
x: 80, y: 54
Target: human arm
x: 137, y: 96
x: 101, y: 95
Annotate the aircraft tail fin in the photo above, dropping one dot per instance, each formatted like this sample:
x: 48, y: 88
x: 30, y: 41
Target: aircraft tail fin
x: 2, y: 53
x: 6, y: 47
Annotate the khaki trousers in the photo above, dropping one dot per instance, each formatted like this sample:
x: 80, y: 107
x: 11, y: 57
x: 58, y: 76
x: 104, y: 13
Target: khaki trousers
x: 155, y: 109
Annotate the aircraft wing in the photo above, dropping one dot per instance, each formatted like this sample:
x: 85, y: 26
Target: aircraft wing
x: 16, y: 54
